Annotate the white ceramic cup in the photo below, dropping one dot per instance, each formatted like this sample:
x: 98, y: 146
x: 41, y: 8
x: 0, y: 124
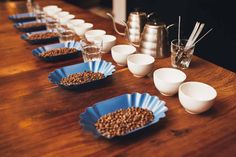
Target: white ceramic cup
x: 49, y: 7
x: 108, y: 41
x: 168, y: 80
x: 81, y: 29
x: 140, y: 64
x: 66, y: 18
x: 196, y: 97
x: 52, y: 12
x: 120, y: 53
x: 61, y: 14
x: 74, y: 23
x: 91, y: 35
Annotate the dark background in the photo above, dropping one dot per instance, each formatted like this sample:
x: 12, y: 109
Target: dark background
x: 217, y: 47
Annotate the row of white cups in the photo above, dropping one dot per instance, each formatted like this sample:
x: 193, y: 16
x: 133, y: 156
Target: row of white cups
x: 195, y: 97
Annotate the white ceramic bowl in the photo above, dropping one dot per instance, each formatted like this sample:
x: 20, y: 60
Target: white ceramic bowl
x: 52, y: 12
x: 66, y: 18
x: 75, y: 22
x: 108, y: 42
x: 120, y: 53
x: 81, y: 29
x: 168, y: 80
x: 91, y: 35
x: 196, y: 97
x: 49, y: 7
x: 140, y: 64
x: 61, y: 14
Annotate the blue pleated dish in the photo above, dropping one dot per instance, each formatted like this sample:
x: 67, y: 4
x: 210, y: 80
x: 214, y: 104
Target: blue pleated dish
x: 101, y: 66
x: 145, y: 100
x: 39, y: 41
x: 71, y: 44
x: 23, y: 17
x: 30, y: 29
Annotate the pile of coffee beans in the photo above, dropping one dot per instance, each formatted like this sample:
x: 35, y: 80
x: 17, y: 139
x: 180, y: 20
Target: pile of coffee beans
x: 67, y: 33
x: 58, y: 52
x: 123, y: 121
x: 33, y: 24
x: 81, y: 78
x: 45, y: 35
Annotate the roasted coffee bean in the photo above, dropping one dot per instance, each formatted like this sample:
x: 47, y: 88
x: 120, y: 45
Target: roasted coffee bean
x: 81, y: 78
x: 45, y: 35
x: 33, y: 24
x: 58, y: 52
x: 122, y: 121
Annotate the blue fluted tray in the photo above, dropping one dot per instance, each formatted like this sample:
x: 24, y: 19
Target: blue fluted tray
x: 101, y: 66
x: 71, y: 44
x: 39, y: 41
x: 146, y: 101
x: 18, y: 17
x: 30, y: 29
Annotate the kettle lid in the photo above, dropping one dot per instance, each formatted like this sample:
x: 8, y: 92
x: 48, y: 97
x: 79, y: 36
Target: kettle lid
x: 156, y: 25
x: 138, y: 13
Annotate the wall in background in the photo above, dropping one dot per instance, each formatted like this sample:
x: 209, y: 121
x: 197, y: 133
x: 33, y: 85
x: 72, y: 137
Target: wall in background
x: 217, y: 47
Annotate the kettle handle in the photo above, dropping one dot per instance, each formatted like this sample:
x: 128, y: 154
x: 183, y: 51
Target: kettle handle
x: 171, y: 25
x: 114, y: 25
x: 127, y: 35
x: 152, y: 13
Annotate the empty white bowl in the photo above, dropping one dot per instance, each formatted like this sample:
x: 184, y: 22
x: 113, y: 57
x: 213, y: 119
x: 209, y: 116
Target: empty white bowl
x: 140, y: 64
x: 49, y: 7
x: 168, y: 80
x: 91, y: 35
x: 66, y: 18
x: 75, y: 22
x: 81, y: 29
x: 61, y: 14
x: 120, y: 53
x: 108, y: 42
x: 196, y: 97
x: 52, y: 12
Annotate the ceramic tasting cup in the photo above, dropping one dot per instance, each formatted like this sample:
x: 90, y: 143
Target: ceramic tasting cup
x: 168, y: 80
x: 140, y: 64
x: 120, y: 53
x: 196, y: 97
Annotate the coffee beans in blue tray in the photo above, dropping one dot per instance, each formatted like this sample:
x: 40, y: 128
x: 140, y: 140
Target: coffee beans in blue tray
x: 123, y: 121
x: 44, y: 35
x: 58, y: 52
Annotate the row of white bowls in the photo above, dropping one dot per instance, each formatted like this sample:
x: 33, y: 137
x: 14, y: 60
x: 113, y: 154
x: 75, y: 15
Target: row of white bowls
x: 195, y: 97
x: 81, y: 28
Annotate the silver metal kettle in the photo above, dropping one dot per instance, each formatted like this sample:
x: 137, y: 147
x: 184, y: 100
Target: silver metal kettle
x: 134, y: 26
x: 154, y: 40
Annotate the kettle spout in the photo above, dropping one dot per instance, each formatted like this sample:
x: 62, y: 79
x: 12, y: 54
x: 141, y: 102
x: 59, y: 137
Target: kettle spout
x: 114, y: 25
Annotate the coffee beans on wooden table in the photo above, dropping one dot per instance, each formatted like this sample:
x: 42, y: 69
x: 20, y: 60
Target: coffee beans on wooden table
x: 45, y: 35
x: 33, y: 24
x: 58, y: 52
x: 81, y: 78
x: 123, y: 121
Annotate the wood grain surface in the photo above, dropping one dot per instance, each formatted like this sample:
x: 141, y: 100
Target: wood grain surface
x: 38, y: 118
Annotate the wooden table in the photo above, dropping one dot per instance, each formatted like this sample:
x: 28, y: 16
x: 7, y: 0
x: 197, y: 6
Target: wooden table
x: 38, y: 118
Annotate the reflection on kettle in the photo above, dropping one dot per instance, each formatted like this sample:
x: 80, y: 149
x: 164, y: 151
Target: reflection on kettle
x: 154, y: 40
x: 134, y: 26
